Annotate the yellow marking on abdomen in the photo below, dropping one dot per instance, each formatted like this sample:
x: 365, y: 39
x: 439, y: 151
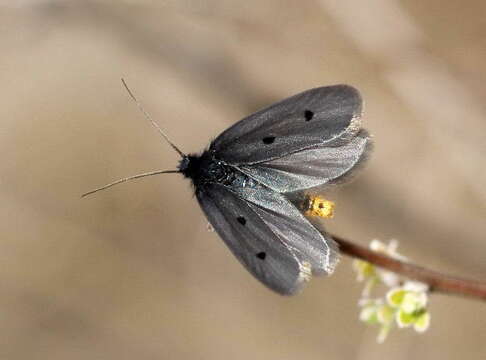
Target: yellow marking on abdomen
x: 318, y: 206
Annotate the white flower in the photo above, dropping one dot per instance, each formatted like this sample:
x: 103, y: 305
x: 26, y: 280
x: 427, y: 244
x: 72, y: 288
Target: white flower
x: 404, y: 304
x: 410, y: 301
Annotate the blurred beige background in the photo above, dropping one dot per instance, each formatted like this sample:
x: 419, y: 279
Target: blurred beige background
x: 133, y: 273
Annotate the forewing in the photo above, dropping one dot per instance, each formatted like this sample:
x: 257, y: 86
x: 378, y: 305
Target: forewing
x: 311, y: 168
x: 310, y: 245
x: 251, y: 240
x: 317, y: 117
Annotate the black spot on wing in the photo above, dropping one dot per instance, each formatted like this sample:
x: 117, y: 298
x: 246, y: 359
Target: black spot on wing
x: 268, y: 140
x: 241, y: 220
x: 308, y: 115
x: 261, y: 255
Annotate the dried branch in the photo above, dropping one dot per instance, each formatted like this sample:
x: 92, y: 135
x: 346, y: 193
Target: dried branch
x: 436, y: 281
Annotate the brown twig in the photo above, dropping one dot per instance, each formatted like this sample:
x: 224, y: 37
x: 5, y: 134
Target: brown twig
x: 435, y: 280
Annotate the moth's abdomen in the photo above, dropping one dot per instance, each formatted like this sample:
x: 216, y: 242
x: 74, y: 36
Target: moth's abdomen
x: 318, y: 206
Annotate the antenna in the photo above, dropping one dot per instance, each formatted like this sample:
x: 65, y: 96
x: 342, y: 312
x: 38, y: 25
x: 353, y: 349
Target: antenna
x: 138, y: 176
x: 149, y: 118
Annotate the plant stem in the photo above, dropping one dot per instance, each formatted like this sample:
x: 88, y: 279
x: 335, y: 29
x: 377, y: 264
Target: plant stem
x: 437, y: 282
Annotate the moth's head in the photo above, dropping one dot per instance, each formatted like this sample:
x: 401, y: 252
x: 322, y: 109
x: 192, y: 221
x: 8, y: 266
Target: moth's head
x: 189, y: 165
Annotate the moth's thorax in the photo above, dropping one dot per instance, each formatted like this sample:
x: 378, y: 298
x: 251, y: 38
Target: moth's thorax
x: 206, y: 168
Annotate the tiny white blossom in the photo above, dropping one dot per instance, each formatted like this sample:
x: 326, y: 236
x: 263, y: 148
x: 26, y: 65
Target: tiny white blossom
x: 404, y: 304
x: 415, y: 286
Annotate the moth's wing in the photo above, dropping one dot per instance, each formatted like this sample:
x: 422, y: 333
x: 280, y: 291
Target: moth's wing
x: 322, y: 116
x: 309, y: 244
x: 312, y: 168
x: 252, y: 241
x: 294, y: 249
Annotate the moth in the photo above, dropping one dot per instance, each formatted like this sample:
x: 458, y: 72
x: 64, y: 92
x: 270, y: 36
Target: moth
x: 260, y: 182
